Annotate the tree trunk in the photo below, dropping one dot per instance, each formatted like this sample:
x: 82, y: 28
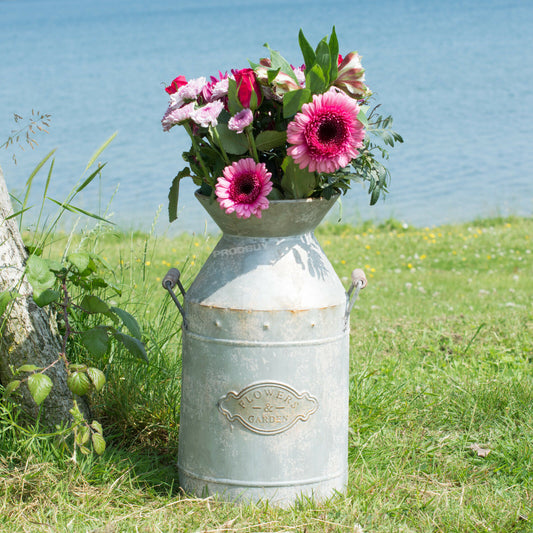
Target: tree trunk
x: 29, y: 334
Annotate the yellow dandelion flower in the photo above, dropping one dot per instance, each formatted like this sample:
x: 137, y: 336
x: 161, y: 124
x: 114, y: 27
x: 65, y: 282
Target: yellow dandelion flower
x: 343, y: 262
x: 367, y: 246
x: 423, y: 256
x: 409, y: 265
x: 196, y: 244
x: 148, y: 263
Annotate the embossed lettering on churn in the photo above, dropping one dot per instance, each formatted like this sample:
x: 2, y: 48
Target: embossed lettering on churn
x: 268, y: 407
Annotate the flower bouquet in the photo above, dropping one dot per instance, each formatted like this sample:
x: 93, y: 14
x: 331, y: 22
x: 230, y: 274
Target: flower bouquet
x: 274, y: 131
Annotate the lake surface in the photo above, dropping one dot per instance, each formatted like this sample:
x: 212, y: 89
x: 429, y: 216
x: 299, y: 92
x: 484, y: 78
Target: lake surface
x: 456, y: 76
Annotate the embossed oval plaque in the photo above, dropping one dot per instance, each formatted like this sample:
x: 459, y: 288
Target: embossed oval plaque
x: 268, y: 407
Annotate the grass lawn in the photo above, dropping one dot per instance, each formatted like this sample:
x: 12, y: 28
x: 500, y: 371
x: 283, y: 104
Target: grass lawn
x: 441, y: 395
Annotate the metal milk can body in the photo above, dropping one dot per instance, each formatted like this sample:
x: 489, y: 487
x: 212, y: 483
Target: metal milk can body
x: 264, y: 404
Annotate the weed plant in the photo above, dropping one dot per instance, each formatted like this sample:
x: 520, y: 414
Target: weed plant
x: 441, y: 394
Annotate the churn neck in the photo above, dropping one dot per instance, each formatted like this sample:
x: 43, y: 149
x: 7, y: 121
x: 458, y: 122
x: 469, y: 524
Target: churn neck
x: 282, y: 218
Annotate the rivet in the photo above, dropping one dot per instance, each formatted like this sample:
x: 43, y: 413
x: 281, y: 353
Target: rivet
x: 312, y: 324
x: 217, y: 323
x: 266, y: 325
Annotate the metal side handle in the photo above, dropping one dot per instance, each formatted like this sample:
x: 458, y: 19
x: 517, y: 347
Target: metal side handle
x: 358, y: 282
x: 172, y: 279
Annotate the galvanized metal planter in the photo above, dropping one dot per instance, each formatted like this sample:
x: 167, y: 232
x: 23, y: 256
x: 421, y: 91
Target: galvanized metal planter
x: 264, y: 407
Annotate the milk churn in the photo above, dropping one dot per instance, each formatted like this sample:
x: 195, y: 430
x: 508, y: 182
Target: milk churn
x: 264, y: 401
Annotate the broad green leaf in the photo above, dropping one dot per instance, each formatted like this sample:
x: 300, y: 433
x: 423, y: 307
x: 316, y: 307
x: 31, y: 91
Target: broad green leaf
x: 45, y: 297
x: 271, y: 74
x: 97, y: 426
x: 40, y: 386
x: 28, y: 368
x: 334, y: 55
x: 129, y: 321
x: 93, y: 304
x: 307, y: 51
x: 99, y: 151
x: 279, y: 62
x: 79, y: 383
x: 38, y: 273
x: 98, y: 443
x: 133, y: 345
x: 297, y: 183
x: 96, y: 340
x: 80, y: 260
x: 269, y: 139
x: 234, y: 143
x: 315, y: 80
x: 361, y: 117
x: 11, y: 387
x: 294, y: 100
x: 323, y: 59
x: 174, y: 192
x: 97, y: 377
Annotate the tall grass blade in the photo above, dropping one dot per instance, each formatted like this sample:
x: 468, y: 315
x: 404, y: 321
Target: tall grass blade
x: 99, y: 151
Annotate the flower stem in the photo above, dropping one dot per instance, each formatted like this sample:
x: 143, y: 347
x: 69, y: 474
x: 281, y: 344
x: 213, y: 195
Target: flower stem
x: 215, y: 137
x: 251, y: 143
x: 197, y: 150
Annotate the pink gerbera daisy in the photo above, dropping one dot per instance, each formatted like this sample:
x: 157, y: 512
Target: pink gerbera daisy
x: 244, y: 188
x: 326, y: 134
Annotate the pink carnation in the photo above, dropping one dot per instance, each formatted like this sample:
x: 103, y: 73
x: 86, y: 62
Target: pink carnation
x: 208, y: 114
x: 326, y: 134
x: 244, y: 188
x: 241, y: 120
x: 175, y: 116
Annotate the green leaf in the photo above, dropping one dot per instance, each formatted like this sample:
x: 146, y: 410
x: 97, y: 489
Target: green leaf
x: 269, y: 139
x: 323, y: 59
x: 11, y: 387
x: 90, y: 178
x: 46, y: 297
x: 40, y: 386
x: 28, y: 368
x: 361, y: 117
x: 38, y: 273
x: 6, y: 297
x: 78, y: 383
x: 307, y: 51
x: 294, y: 100
x: 271, y: 74
x: 93, y: 304
x: 133, y: 345
x: 79, y: 210
x: 233, y: 101
x: 334, y: 55
x: 129, y: 321
x: 173, y: 194
x: 96, y: 340
x: 83, y: 434
x: 80, y: 260
x: 232, y: 142
x: 315, y: 80
x: 97, y: 426
x: 97, y: 377
x: 98, y: 443
x: 100, y: 150
x: 297, y: 183
x: 279, y: 62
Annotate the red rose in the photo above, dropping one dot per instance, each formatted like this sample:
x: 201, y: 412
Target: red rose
x: 247, y: 85
x: 180, y: 81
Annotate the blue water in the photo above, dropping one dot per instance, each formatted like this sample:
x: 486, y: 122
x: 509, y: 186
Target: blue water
x: 456, y: 75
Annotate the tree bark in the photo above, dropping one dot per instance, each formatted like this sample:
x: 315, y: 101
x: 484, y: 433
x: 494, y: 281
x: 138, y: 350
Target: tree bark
x: 29, y: 334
